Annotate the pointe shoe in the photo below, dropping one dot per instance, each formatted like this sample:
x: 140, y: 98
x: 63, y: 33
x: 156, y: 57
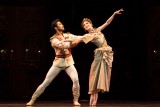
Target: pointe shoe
x: 76, y: 103
x: 30, y: 103
x: 94, y: 103
x: 91, y: 100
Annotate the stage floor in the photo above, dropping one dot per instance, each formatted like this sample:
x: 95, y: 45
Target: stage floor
x: 84, y: 103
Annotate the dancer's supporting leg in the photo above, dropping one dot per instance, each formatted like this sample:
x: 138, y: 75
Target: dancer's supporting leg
x: 91, y: 99
x: 72, y: 72
x: 52, y: 73
x: 95, y: 98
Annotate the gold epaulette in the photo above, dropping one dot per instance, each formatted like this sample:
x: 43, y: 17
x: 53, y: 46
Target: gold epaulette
x: 52, y: 37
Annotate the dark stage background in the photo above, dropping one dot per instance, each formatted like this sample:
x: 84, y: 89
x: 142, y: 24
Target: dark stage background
x: 26, y: 53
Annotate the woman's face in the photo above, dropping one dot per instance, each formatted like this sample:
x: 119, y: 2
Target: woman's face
x: 87, y: 26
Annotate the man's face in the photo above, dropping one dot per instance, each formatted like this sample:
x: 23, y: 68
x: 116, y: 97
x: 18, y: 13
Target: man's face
x: 60, y: 26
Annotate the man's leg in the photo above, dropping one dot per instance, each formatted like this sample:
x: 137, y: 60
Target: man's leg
x: 72, y: 72
x: 52, y: 73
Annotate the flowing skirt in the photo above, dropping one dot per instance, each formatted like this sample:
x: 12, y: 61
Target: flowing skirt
x: 100, y: 71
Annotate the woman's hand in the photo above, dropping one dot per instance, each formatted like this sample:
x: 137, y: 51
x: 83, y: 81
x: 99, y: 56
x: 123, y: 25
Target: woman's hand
x: 119, y: 11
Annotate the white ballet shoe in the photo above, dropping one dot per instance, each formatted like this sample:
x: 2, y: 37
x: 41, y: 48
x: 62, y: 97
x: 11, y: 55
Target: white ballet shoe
x: 30, y: 103
x: 76, y: 103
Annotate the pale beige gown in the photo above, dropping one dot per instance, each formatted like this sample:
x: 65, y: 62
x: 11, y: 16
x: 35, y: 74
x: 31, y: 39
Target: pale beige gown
x: 100, y: 71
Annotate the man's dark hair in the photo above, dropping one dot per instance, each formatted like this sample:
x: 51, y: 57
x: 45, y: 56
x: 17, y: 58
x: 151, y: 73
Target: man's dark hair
x: 54, y: 23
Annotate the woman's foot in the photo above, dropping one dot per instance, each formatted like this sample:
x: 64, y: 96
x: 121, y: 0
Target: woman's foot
x: 95, y: 98
x: 91, y: 99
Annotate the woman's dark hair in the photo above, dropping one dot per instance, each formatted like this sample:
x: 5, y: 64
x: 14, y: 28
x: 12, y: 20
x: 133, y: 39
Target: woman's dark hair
x: 54, y: 23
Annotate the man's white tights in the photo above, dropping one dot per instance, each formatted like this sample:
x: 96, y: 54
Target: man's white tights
x: 52, y: 73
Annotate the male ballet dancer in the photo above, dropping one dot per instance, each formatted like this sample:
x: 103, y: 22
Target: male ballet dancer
x: 63, y: 61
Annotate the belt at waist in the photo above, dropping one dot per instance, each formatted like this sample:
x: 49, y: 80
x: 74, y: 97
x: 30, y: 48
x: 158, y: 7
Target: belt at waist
x: 63, y: 56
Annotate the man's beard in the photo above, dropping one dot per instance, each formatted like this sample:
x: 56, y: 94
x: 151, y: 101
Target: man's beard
x: 61, y: 29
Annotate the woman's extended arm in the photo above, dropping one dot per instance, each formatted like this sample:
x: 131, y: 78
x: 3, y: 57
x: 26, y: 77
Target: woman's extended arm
x: 109, y: 20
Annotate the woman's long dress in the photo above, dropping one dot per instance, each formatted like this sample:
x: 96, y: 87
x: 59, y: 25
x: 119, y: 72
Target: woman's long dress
x: 100, y: 71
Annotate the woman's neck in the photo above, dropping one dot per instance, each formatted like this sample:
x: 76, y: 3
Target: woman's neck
x: 92, y: 30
